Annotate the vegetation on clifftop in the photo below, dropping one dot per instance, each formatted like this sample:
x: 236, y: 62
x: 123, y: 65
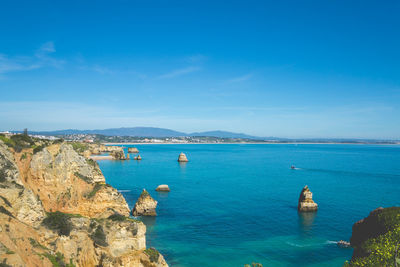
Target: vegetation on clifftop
x: 60, y: 222
x: 153, y: 254
x: 384, y: 249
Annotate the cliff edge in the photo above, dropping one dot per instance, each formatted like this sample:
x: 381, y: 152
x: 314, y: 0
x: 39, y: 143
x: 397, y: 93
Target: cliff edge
x: 376, y: 239
x: 57, y: 210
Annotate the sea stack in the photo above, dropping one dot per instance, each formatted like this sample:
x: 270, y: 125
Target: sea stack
x: 133, y: 150
x: 145, y: 205
x: 182, y: 158
x: 306, y: 203
x: 163, y: 188
x: 118, y: 154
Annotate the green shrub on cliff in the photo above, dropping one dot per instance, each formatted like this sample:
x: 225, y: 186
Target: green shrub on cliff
x: 79, y: 147
x: 58, y: 260
x: 83, y: 177
x: 58, y: 221
x: 153, y: 254
x: 116, y: 217
x: 254, y: 264
x: 99, y: 237
x: 381, y: 249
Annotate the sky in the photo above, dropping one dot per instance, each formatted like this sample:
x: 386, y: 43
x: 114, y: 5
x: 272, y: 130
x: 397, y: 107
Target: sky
x: 297, y: 69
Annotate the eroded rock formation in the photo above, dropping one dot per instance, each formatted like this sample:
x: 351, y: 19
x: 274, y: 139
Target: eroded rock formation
x: 306, y: 203
x: 86, y: 223
x: 118, y: 154
x: 145, y: 205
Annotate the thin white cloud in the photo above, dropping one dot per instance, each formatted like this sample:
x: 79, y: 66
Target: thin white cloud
x: 179, y: 72
x: 41, y: 58
x: 240, y: 78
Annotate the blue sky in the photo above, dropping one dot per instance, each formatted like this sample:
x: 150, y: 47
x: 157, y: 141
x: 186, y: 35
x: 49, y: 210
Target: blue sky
x: 267, y: 68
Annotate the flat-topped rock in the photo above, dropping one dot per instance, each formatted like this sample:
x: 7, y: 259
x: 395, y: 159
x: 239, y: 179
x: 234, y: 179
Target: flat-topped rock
x: 182, y: 158
x: 133, y: 150
x: 145, y: 205
x: 163, y: 188
x: 306, y: 203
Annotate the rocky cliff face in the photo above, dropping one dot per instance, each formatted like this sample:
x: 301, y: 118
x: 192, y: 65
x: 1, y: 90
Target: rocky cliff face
x: 376, y: 238
x: 66, y: 181
x: 56, y: 207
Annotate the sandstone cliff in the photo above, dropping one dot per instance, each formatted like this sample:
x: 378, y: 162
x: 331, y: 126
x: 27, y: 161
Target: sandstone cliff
x: 55, y: 208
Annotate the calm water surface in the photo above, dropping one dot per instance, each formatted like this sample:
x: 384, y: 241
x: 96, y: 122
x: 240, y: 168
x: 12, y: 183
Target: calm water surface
x: 237, y: 204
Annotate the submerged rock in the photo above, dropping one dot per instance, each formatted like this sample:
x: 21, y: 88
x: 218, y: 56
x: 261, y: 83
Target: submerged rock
x: 163, y: 188
x: 182, y: 158
x: 133, y: 150
x: 306, y: 203
x: 145, y: 205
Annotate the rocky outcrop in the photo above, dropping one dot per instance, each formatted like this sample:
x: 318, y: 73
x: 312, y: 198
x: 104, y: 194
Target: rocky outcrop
x: 145, y: 205
x: 182, y: 158
x: 343, y: 244
x: 133, y: 150
x: 376, y: 238
x: 163, y: 188
x: 55, y: 206
x: 118, y: 154
x: 138, y: 157
x: 376, y: 224
x: 306, y: 203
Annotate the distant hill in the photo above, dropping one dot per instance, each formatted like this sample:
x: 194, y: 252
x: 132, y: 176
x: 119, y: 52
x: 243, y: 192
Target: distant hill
x: 147, y: 132
x: 133, y: 131
x: 223, y: 134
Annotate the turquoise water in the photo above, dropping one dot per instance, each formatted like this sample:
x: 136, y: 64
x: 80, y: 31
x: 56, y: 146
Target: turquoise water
x: 237, y: 204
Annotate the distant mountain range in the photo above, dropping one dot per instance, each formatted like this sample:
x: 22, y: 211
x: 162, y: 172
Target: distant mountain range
x: 148, y: 132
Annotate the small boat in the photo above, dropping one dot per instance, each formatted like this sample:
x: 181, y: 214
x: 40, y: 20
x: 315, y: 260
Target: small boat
x: 293, y: 167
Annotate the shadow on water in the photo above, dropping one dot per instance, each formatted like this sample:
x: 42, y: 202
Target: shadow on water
x: 306, y: 222
x: 162, y: 195
x: 149, y: 221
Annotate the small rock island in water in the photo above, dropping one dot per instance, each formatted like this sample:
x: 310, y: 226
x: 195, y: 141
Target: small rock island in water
x: 163, y: 188
x: 133, y: 150
x: 306, y: 203
x: 182, y: 158
x: 145, y: 205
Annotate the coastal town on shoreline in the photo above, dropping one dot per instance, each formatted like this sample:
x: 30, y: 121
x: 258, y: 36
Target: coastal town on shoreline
x: 127, y: 140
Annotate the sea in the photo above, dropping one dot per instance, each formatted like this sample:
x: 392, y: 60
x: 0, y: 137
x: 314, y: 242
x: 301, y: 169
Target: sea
x: 235, y: 204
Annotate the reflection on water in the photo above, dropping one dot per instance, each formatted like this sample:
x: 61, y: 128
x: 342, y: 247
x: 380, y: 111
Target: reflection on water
x: 306, y: 222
